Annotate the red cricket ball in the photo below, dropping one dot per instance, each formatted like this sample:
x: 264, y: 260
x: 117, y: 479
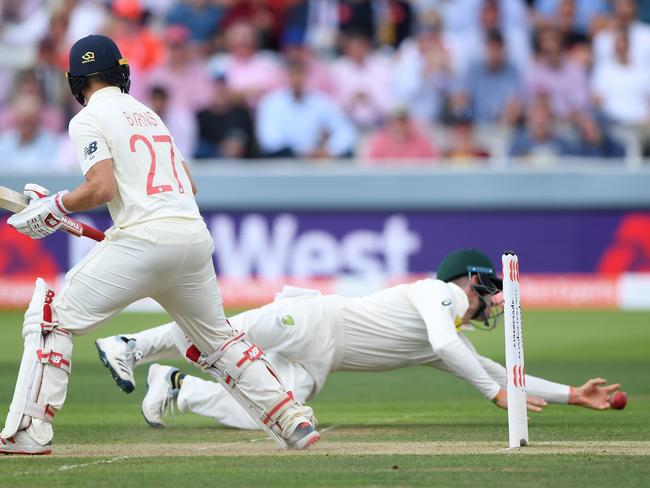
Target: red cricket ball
x: 618, y: 400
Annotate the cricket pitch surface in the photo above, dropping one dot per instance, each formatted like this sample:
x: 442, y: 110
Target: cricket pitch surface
x: 260, y: 446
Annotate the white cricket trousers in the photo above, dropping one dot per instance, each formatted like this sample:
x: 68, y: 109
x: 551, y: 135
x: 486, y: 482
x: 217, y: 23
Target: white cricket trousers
x: 168, y: 261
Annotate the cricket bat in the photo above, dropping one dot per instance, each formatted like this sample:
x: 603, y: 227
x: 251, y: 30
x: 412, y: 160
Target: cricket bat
x: 15, y: 202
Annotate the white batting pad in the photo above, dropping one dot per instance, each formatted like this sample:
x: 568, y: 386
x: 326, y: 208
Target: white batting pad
x: 43, y: 375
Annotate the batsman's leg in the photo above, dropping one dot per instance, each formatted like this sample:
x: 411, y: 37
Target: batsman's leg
x: 212, y: 400
x: 42, y: 379
x: 209, y: 399
x: 114, y: 274
x: 194, y: 302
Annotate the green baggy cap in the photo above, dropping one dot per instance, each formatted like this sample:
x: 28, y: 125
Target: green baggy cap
x: 465, y: 261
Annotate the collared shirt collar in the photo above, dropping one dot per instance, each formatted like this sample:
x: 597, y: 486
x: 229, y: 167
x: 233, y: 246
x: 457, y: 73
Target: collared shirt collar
x: 104, y: 92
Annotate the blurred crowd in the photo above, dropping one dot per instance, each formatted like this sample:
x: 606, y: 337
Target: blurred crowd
x: 383, y: 81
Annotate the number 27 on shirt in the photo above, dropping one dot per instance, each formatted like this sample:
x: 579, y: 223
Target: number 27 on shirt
x: 162, y: 139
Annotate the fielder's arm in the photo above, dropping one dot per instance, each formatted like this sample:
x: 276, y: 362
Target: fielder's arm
x: 590, y: 395
x: 433, y: 302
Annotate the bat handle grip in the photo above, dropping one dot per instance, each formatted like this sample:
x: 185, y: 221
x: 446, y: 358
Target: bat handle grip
x: 72, y: 226
x: 92, y: 233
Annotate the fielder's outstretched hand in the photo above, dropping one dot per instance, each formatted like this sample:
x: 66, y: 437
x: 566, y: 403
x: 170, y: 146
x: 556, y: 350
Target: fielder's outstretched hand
x: 533, y: 403
x: 592, y: 394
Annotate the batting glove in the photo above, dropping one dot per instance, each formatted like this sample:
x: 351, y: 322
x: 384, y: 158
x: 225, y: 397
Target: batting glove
x: 42, y: 216
x: 32, y: 191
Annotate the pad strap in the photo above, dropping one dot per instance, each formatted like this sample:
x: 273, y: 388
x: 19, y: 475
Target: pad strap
x: 232, y: 372
x: 207, y: 361
x: 275, y: 412
x: 228, y: 364
x: 250, y: 355
x: 54, y: 358
x: 41, y: 412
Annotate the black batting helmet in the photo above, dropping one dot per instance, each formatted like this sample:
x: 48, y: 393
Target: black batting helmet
x: 96, y: 56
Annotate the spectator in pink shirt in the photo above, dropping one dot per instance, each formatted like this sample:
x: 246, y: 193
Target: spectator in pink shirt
x: 362, y: 81
x: 250, y: 73
x: 555, y: 75
x: 182, y: 75
x: 399, y: 139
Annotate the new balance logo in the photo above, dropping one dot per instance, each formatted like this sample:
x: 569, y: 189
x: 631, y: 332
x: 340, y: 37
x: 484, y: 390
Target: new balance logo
x: 253, y: 353
x: 90, y: 149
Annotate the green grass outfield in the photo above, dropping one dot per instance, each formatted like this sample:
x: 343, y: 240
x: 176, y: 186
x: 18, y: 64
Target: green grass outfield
x: 415, y: 427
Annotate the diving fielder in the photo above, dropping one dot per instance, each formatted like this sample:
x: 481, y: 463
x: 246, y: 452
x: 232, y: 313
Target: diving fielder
x: 307, y: 336
x: 159, y: 247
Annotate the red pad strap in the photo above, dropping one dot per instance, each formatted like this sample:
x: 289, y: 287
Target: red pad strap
x: 49, y: 411
x: 53, y: 358
x: 46, y: 328
x: 269, y: 416
x: 251, y: 354
x: 38, y: 411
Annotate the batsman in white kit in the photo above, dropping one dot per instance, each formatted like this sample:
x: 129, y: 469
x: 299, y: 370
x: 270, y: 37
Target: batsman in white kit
x: 159, y: 247
x: 307, y: 336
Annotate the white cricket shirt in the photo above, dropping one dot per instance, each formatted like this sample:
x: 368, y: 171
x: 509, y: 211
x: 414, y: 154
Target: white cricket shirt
x: 408, y: 325
x: 151, y: 181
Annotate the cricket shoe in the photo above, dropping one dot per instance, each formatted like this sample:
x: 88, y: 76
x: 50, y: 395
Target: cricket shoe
x: 22, y: 443
x: 303, y: 435
x: 119, y: 355
x: 160, y: 396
